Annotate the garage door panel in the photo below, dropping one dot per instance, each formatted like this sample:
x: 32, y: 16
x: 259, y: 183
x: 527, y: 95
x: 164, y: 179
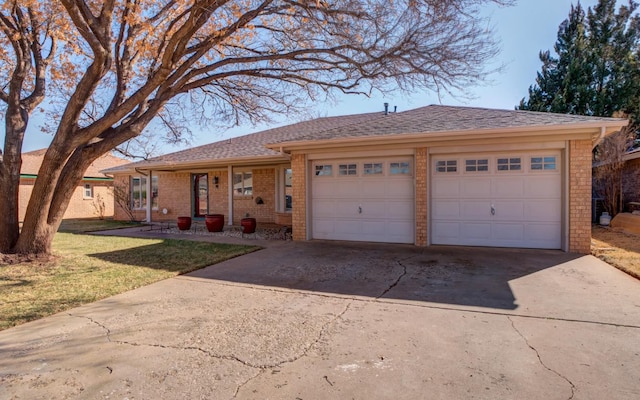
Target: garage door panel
x: 399, y: 187
x: 543, y: 186
x: 508, y: 210
x: 446, y: 188
x: 507, y: 186
x: 446, y: 209
x: 527, y: 203
x: 400, y: 210
x: 507, y: 232
x: 472, y: 210
x: 543, y: 210
x: 543, y: 232
x: 377, y: 208
x: 323, y: 208
x: 476, y: 231
x: 476, y: 187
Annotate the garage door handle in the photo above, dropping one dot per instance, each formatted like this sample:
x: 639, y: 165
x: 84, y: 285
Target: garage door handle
x: 493, y: 210
x: 359, y: 209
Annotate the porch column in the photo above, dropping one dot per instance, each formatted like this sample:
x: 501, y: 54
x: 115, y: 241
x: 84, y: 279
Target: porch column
x: 149, y: 196
x: 230, y: 188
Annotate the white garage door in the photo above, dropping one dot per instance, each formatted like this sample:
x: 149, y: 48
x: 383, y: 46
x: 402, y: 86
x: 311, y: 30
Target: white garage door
x: 503, y: 200
x: 363, y: 200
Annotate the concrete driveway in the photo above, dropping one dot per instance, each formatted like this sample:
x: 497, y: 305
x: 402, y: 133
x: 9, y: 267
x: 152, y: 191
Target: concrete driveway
x: 323, y: 320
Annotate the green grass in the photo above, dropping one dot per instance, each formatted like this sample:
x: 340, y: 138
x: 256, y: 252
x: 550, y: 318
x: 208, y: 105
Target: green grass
x: 92, y: 225
x: 89, y: 268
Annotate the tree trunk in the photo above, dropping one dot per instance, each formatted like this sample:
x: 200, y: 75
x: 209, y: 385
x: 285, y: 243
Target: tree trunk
x: 11, y: 162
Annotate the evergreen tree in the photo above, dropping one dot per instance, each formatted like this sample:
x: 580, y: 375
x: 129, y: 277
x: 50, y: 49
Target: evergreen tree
x: 595, y: 69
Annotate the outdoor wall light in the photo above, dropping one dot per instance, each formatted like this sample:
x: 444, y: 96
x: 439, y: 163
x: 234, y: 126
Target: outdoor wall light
x: 215, y: 181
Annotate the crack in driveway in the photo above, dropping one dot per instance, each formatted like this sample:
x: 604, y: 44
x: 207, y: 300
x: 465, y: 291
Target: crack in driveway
x: 573, y: 387
x: 260, y: 367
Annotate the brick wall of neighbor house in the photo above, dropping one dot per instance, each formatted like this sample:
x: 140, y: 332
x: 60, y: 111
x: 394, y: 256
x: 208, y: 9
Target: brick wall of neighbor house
x: 580, y: 196
x: 264, y: 186
x: 79, y: 207
x: 299, y: 196
x: 631, y: 181
x: 421, y: 197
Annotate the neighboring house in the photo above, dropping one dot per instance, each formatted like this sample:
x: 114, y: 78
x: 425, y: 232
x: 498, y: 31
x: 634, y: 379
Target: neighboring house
x: 432, y: 175
x: 93, y: 192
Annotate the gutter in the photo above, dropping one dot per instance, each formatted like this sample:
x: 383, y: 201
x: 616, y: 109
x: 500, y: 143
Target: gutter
x: 603, y: 133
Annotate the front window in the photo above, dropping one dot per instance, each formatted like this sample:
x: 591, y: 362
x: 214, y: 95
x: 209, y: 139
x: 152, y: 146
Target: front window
x: 288, y: 190
x: 138, y: 192
x: 88, y: 191
x: 242, y: 184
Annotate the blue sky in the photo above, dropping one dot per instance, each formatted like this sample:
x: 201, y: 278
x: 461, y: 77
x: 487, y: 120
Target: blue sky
x: 523, y: 30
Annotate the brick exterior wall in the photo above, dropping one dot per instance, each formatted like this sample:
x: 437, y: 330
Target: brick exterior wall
x: 264, y: 185
x: 79, y: 207
x: 421, y: 197
x: 174, y: 194
x: 631, y: 181
x: 299, y: 196
x: 580, y: 196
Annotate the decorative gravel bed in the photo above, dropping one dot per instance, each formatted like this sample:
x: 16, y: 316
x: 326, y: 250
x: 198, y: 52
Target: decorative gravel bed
x: 275, y: 233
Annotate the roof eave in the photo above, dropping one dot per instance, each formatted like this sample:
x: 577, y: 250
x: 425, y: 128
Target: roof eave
x: 588, y: 129
x: 199, y: 164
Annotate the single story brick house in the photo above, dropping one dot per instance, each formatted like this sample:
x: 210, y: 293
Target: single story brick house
x: 95, y: 190
x: 431, y: 175
x: 631, y: 178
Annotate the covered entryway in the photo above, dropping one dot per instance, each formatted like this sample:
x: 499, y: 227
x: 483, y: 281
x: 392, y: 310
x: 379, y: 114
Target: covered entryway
x: 363, y: 200
x: 511, y: 199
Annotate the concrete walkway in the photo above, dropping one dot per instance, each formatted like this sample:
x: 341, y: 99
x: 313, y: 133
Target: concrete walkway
x: 324, y: 320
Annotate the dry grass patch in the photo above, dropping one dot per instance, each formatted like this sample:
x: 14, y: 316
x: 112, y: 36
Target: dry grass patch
x: 93, y: 224
x: 620, y: 249
x: 89, y: 268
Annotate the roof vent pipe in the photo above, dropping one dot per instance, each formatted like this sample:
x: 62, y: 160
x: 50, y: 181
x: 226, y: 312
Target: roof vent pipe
x: 386, y: 108
x: 395, y: 109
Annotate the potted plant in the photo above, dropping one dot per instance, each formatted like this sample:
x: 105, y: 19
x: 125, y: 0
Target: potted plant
x: 214, y: 222
x: 184, y: 223
x: 248, y: 225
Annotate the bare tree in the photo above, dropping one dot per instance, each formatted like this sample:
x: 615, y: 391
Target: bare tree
x: 114, y: 65
x: 608, y: 169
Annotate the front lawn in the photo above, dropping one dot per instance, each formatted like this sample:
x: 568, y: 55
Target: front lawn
x: 89, y: 268
x: 622, y: 250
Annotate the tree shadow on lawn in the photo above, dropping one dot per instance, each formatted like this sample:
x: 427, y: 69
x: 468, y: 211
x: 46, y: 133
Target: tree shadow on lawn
x: 441, y: 274
x: 175, y: 255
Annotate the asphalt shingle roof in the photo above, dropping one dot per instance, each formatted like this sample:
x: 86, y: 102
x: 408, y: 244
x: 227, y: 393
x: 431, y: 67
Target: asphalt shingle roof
x: 429, y: 119
x: 32, y: 160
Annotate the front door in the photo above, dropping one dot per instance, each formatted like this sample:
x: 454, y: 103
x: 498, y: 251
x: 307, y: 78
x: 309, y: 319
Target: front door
x: 200, y: 188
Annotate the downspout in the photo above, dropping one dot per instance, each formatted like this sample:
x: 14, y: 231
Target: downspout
x: 285, y: 155
x: 603, y: 132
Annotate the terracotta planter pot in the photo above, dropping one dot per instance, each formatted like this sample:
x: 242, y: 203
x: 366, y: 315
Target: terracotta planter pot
x: 184, y: 223
x: 214, y: 222
x: 248, y: 225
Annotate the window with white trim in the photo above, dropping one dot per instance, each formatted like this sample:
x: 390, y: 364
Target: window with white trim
x: 288, y: 189
x: 543, y: 163
x: 87, y: 192
x: 509, y: 164
x: 372, y: 168
x: 242, y: 183
x: 139, y: 192
x: 324, y: 170
x: 447, y: 166
x: 476, y: 165
x: 400, y: 168
x: 347, y: 169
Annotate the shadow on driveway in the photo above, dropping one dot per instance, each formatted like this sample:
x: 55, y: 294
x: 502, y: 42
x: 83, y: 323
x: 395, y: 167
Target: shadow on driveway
x: 466, y: 276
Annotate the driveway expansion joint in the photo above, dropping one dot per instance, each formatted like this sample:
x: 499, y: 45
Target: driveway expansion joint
x: 573, y: 387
